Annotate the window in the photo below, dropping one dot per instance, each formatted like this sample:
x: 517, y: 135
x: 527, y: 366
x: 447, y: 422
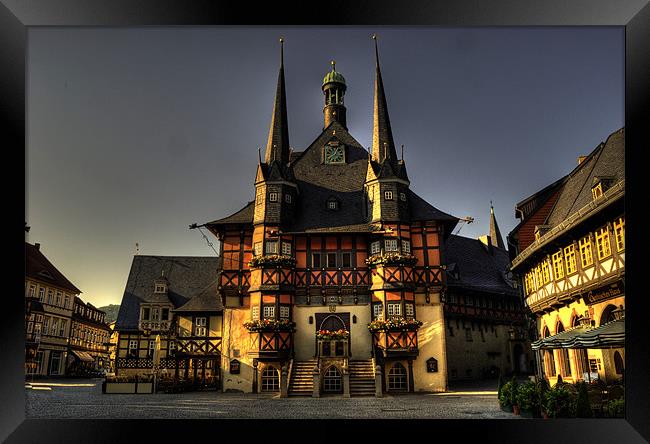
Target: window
x: 602, y: 243
x: 273, y: 197
x: 32, y: 291
x: 397, y: 379
x: 165, y: 314
x: 271, y: 247
x: 585, y: 252
x: 375, y: 247
x: 378, y: 311
x: 146, y: 312
x: 49, y: 297
x: 55, y: 362
x: 152, y: 348
x: 258, y: 249
x: 284, y: 312
x: 619, y: 233
x: 388, y: 195
x: 155, y: 312
x: 402, y: 197
x: 597, y: 190
x: 570, y: 259
x: 394, y: 309
x: 30, y: 327
x: 286, y: 248
x: 287, y: 198
x: 315, y: 260
x: 133, y: 348
x: 332, y: 205
x: 346, y: 260
x: 172, y: 348
x: 270, y: 380
x: 255, y: 313
x: 58, y: 298
x: 618, y: 363
x: 331, y: 260
x: 41, y: 294
x: 53, y: 328
x: 268, y: 311
x: 62, y: 327
x: 199, y: 326
x: 545, y: 273
x: 410, y: 310
x: 159, y: 288
x: 406, y: 246
x: 558, y: 265
x: 390, y: 244
x: 66, y: 304
x: 332, y: 381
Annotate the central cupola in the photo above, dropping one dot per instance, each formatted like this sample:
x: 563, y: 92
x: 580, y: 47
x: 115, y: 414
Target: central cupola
x: 334, y: 90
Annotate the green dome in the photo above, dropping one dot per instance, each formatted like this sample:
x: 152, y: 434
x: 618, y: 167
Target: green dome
x: 333, y: 77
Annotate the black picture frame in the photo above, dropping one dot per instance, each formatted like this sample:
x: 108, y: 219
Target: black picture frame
x: 16, y: 16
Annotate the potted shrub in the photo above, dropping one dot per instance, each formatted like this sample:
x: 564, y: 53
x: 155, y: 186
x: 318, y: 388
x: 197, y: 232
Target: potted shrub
x: 616, y: 408
x: 505, y: 397
x: 583, y: 406
x: 513, y: 396
x: 528, y: 399
x: 559, y: 402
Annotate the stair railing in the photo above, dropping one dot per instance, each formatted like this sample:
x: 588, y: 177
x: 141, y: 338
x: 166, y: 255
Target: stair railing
x: 289, y: 374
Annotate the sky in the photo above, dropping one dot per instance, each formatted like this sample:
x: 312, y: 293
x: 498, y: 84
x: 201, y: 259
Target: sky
x: 133, y: 134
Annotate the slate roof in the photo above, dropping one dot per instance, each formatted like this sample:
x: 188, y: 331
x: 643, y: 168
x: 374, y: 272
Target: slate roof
x: 608, y: 159
x: 188, y: 276
x: 477, y: 268
x: 37, y: 266
x: 318, y: 182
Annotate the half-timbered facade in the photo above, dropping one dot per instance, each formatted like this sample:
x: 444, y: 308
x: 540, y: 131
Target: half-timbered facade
x: 573, y: 272
x: 487, y: 327
x: 332, y: 276
x: 169, y: 321
x: 88, y: 346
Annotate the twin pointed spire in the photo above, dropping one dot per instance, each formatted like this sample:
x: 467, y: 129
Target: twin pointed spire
x: 383, y: 146
x: 277, y: 146
x: 495, y: 233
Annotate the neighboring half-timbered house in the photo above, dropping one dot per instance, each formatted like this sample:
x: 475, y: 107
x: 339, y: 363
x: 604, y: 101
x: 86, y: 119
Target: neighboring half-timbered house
x: 573, y: 272
x: 487, y: 326
x: 175, y: 298
x: 332, y: 276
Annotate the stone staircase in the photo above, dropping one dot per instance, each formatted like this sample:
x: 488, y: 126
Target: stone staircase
x: 302, y: 379
x: 362, y: 378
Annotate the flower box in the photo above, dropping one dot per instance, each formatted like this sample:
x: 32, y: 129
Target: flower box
x: 336, y: 335
x: 394, y: 324
x: 272, y: 260
x: 392, y: 259
x: 270, y: 325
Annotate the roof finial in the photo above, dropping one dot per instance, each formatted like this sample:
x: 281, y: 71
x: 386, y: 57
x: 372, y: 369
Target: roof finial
x: 137, y: 248
x: 259, y: 155
x: 374, y: 37
x: 281, y: 51
x: 402, y: 152
x: 333, y: 63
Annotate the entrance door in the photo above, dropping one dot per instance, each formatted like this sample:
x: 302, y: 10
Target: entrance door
x: 333, y: 322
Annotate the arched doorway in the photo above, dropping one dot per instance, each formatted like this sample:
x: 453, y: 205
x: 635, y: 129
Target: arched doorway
x: 519, y: 359
x: 618, y: 363
x: 332, y: 380
x: 270, y: 379
x: 332, y: 323
x: 397, y: 378
x: 607, y: 315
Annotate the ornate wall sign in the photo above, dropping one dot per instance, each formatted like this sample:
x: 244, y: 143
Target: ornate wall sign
x: 603, y: 293
x: 432, y: 365
x: 234, y: 367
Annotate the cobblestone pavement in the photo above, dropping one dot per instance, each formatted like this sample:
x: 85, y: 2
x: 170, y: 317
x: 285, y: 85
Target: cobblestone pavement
x: 84, y: 399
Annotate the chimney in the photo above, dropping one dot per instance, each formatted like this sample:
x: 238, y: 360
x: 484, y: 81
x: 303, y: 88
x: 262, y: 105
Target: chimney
x: 581, y: 159
x: 38, y: 246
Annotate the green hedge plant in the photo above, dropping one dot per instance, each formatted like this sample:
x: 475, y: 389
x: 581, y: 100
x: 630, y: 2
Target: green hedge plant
x: 528, y: 398
x: 559, y: 402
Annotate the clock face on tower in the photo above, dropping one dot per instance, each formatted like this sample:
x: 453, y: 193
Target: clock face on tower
x: 334, y: 154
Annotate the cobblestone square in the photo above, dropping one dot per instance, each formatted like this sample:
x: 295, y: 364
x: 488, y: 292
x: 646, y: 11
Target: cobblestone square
x: 84, y: 399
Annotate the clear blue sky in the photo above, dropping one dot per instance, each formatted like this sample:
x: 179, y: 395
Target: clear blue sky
x: 135, y: 133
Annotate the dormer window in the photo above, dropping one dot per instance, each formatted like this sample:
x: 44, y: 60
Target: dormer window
x: 375, y: 247
x: 287, y: 198
x: 273, y: 197
x: 388, y: 195
x: 160, y: 288
x: 272, y: 248
x: 390, y: 245
x: 597, y: 190
x: 600, y: 185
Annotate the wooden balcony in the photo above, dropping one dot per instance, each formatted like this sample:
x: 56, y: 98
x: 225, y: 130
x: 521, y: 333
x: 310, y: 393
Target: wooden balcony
x: 337, y: 348
x: 271, y: 345
x: 396, y: 344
